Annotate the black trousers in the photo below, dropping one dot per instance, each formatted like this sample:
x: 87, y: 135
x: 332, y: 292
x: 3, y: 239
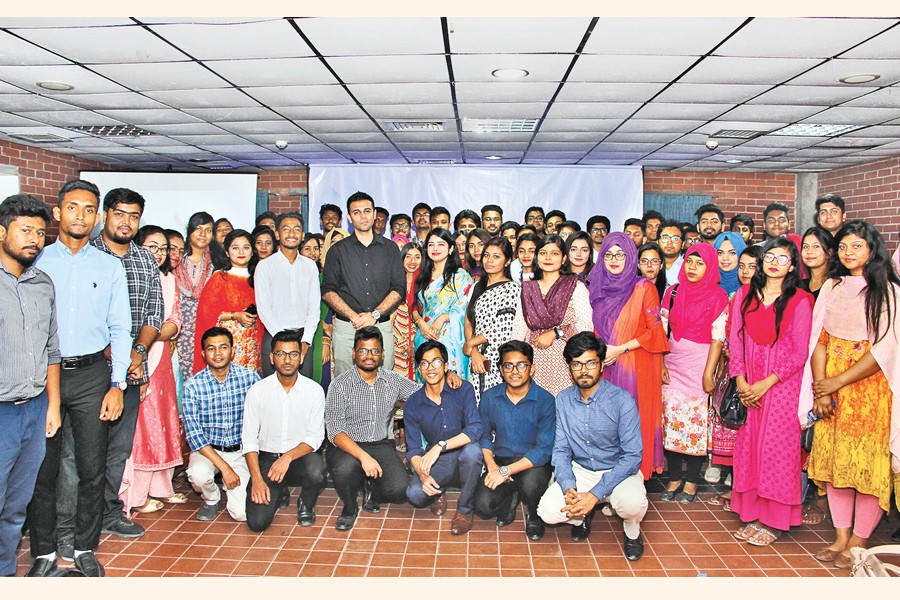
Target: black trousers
x: 306, y: 367
x: 82, y: 391
x: 307, y: 472
x: 692, y: 465
x: 348, y: 476
x: 531, y: 485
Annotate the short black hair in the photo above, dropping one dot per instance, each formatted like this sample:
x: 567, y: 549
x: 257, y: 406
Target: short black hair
x: 778, y: 206
x: 492, y: 207
x: 832, y: 198
x: 268, y: 214
x: 358, y: 197
x: 510, y: 225
x: 78, y: 184
x: 742, y: 220
x: 707, y: 208
x: 571, y: 224
x: 539, y: 209
x: 399, y: 217
x: 214, y: 332
x: 368, y: 333
x: 439, y: 210
x: 669, y: 223
x: 652, y: 214
x: 382, y: 211
x: 23, y: 205
x: 583, y: 342
x: 516, y: 346
x: 687, y: 228
x: 420, y: 206
x: 598, y: 219
x: 556, y: 213
x: 633, y: 221
x: 288, y: 215
x: 431, y: 345
x: 466, y: 214
x: 286, y: 336
x: 119, y: 196
x: 528, y: 228
x: 333, y: 208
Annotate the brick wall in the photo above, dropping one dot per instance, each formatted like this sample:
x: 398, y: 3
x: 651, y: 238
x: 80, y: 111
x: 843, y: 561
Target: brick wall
x: 284, y: 188
x: 871, y: 192
x: 734, y: 193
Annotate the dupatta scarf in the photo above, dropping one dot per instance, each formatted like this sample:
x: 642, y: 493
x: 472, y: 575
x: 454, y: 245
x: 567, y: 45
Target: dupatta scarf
x: 698, y: 304
x: 545, y: 312
x: 609, y: 292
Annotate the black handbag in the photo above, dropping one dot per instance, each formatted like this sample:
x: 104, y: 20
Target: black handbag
x: 806, y: 438
x: 732, y: 411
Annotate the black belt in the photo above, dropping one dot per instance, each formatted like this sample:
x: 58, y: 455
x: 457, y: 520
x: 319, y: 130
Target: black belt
x: 78, y: 362
x: 234, y: 448
x: 21, y: 402
x: 271, y: 454
x: 383, y: 319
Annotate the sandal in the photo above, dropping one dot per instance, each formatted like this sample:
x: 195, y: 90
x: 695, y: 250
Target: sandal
x: 764, y: 537
x: 746, y: 532
x: 178, y: 498
x: 813, y: 516
x: 720, y: 500
x: 826, y: 555
x: 842, y: 561
x: 152, y: 505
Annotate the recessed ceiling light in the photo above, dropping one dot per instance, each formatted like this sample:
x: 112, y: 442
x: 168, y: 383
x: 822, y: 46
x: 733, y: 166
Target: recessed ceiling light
x: 815, y: 130
x: 861, y: 78
x: 499, y: 125
x: 55, y: 86
x: 493, y: 157
x: 734, y: 161
x: 510, y: 73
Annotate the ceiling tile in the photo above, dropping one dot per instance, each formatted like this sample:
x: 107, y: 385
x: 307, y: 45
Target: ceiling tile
x: 659, y: 126
x: 32, y: 22
x: 210, y: 98
x: 405, y: 112
x: 649, y: 138
x: 362, y: 37
x: 498, y: 110
x: 540, y: 67
x: 147, y: 117
x: 592, y: 125
x: 318, y: 113
x: 261, y: 39
x: 389, y: 69
x: 748, y: 71
x: 877, y: 131
x: 629, y: 69
x: 84, y: 81
x: 300, y: 95
x: 841, y: 115
x: 259, y: 127
x: 679, y: 112
x: 161, y: 76
x: 232, y: 114
x: 501, y: 91
x: 25, y: 102
x: 831, y: 72
x: 520, y: 35
x: 662, y: 35
x: 707, y: 93
x: 131, y: 44
x: 562, y: 146
x: 592, y: 110
x: 188, y: 129
x: 769, y: 112
x: 22, y: 53
x: 884, y: 98
x: 774, y: 142
x: 271, y: 72
x: 810, y: 95
x: 883, y: 46
x: 401, y: 93
x: 110, y: 101
x: 73, y: 118
x: 329, y: 138
x: 206, y: 140
x: 571, y: 136
x: 204, y: 20
x: 800, y: 37
x: 352, y: 126
x: 579, y: 91
x: 449, y: 146
x: 11, y: 120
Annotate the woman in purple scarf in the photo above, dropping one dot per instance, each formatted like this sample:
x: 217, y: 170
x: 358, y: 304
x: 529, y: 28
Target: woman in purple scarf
x: 626, y: 317
x: 555, y: 306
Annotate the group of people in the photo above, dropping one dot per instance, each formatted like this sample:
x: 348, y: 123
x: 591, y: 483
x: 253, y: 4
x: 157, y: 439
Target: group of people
x: 537, y: 363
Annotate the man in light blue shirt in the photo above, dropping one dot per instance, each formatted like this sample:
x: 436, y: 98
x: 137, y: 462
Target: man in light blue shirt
x: 597, y: 451
x: 93, y: 312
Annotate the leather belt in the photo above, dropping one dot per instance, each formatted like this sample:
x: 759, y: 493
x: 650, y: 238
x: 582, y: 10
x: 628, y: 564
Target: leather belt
x: 78, y: 362
x: 234, y: 448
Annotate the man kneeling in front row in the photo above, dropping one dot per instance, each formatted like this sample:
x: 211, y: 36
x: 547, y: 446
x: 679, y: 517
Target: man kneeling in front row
x: 284, y: 424
x: 597, y: 451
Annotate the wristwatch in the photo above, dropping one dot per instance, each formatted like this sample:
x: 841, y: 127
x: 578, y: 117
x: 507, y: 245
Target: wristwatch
x: 505, y: 472
x: 376, y: 315
x: 122, y: 385
x: 140, y: 349
x: 443, y: 445
x: 558, y: 331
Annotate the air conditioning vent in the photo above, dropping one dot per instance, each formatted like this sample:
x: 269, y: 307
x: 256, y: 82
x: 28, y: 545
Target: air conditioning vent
x: 740, y: 134
x: 499, y: 125
x: 40, y: 138
x: 445, y: 161
x: 111, y: 130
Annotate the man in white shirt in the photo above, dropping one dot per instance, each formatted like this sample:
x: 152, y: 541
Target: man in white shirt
x: 287, y: 292
x: 671, y: 241
x: 284, y: 425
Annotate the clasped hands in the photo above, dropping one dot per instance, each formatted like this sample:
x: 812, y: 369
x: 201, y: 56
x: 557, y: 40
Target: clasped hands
x: 578, y: 504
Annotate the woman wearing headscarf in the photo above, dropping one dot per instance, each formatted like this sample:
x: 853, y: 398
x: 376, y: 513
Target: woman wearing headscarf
x: 695, y: 312
x: 626, y: 317
x: 729, y: 246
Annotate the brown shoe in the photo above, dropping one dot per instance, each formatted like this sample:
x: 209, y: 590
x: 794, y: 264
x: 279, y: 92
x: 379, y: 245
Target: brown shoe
x: 439, y: 506
x: 461, y: 523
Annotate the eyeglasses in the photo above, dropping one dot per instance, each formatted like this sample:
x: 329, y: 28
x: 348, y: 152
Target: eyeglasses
x: 616, y: 256
x: 580, y: 366
x: 670, y: 238
x: 154, y: 249
x: 176, y: 251
x: 603, y: 230
x: 650, y: 261
x: 534, y: 219
x: 780, y: 259
x: 294, y: 354
x: 777, y: 220
x: 435, y: 364
x: 519, y: 367
x: 363, y: 352
x: 403, y: 225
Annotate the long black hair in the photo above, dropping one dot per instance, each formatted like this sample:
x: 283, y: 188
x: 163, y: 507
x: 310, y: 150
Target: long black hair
x: 758, y: 282
x: 450, y: 267
x: 481, y: 285
x: 254, y: 257
x: 879, y: 273
x: 660, y: 282
x: 485, y: 237
x: 548, y: 240
x: 146, y: 231
x: 216, y: 253
x: 573, y: 237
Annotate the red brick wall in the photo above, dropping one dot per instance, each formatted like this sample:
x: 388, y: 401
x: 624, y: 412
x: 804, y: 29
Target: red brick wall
x: 734, y: 193
x: 871, y: 192
x: 289, y: 185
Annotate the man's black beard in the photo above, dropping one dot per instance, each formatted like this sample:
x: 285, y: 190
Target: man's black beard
x: 78, y: 236
x: 368, y: 370
x: 22, y: 260
x: 119, y: 239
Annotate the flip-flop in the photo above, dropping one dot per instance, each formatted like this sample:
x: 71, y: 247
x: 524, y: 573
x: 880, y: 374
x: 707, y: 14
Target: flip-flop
x: 151, y: 506
x: 772, y: 537
x: 813, y: 516
x: 748, y: 530
x: 177, y: 498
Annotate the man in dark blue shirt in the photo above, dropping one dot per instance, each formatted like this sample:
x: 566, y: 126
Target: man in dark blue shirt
x: 448, y: 423
x: 519, y: 419
x: 597, y: 451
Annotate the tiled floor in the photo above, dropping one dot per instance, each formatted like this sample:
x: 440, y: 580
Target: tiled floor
x: 691, y: 540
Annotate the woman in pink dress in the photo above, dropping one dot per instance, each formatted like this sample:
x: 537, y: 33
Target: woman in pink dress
x: 769, y: 346
x: 156, y: 452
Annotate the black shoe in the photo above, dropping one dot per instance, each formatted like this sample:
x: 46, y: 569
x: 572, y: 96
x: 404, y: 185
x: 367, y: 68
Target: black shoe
x: 634, y: 549
x: 581, y: 532
x: 123, y: 527
x: 305, y: 516
x: 510, y: 515
x: 285, y: 499
x: 44, y: 567
x: 346, y: 520
x: 895, y: 537
x: 369, y: 505
x: 66, y: 550
x: 88, y: 565
x: 534, y: 526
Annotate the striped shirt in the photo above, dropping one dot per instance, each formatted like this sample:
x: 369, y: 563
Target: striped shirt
x: 28, y: 323
x: 213, y: 410
x: 364, y: 411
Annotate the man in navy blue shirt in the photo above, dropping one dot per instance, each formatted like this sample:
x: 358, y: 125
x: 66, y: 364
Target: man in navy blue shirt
x: 597, y: 452
x: 443, y: 431
x: 519, y: 419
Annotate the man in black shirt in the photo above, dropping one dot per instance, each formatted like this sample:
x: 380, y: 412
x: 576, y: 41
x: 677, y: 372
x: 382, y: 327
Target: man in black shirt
x: 363, y: 281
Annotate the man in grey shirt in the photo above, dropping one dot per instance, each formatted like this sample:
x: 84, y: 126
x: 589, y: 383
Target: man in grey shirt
x: 29, y: 365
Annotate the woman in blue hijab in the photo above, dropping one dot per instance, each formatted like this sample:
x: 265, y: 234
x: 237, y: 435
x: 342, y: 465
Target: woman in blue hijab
x: 729, y: 246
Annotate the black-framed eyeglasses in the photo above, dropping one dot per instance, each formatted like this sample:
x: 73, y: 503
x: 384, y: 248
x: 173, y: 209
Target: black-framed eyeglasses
x: 435, y: 364
x: 616, y: 256
x: 363, y: 352
x: 519, y: 367
x: 154, y: 249
x: 781, y: 259
x: 599, y: 230
x: 580, y: 366
x: 294, y: 354
x: 650, y: 261
x: 670, y: 238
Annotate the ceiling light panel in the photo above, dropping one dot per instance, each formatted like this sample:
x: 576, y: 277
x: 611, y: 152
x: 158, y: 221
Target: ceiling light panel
x: 800, y: 37
x: 209, y: 98
x: 747, y: 71
x: 540, y: 67
x: 660, y: 36
x: 132, y: 44
x: 271, y: 72
x: 579, y: 91
x: 814, y: 130
x: 390, y: 69
x: 520, y: 35
x: 144, y: 77
x: 401, y: 93
x: 84, y: 81
x: 499, y: 125
x: 629, y: 69
x: 365, y: 37
x: 831, y: 72
x: 261, y: 39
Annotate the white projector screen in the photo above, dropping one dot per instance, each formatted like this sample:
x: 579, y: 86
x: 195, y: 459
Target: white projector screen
x: 173, y: 197
x: 580, y: 192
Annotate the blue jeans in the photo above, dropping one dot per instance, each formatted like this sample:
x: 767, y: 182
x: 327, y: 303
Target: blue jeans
x: 22, y: 443
x: 460, y: 467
